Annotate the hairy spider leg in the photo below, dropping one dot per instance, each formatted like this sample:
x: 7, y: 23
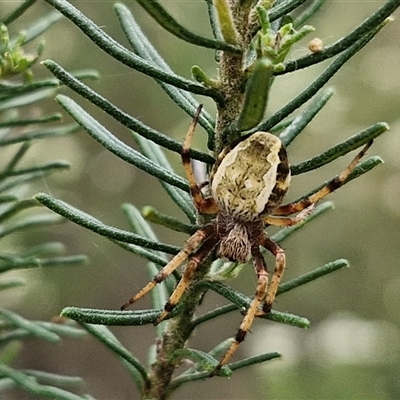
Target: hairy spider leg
x: 194, y: 262
x: 330, y: 186
x: 259, y: 296
x: 305, y: 207
x: 191, y: 245
x: 280, y: 264
x: 205, y: 205
x: 289, y: 221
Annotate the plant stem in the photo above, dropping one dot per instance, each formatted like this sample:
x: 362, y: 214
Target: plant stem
x: 177, y: 332
x: 179, y: 328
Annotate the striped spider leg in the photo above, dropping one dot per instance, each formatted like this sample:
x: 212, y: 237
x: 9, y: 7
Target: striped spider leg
x: 197, y: 247
x: 303, y: 207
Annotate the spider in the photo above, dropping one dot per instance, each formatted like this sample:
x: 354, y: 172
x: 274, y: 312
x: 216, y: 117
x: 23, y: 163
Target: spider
x: 248, y: 183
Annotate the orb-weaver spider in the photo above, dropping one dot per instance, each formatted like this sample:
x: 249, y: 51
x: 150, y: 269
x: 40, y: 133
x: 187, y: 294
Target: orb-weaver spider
x: 248, y: 183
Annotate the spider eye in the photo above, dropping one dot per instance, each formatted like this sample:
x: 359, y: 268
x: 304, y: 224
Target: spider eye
x: 251, y: 179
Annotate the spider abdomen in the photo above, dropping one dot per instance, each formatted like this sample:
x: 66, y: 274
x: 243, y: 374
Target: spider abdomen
x: 251, y: 179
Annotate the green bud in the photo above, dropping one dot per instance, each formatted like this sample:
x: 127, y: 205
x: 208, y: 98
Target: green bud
x: 200, y: 76
x: 256, y: 95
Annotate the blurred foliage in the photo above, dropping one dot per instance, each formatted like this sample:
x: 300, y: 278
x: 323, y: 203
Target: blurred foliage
x: 110, y: 179
x: 22, y: 123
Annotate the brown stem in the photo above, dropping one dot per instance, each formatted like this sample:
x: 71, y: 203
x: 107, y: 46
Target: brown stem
x: 232, y: 80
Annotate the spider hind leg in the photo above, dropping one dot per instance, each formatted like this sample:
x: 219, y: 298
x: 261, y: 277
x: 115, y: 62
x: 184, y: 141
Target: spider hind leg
x: 328, y: 188
x: 205, y: 205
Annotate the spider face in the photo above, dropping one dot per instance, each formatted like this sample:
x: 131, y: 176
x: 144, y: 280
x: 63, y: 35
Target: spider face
x: 248, y: 183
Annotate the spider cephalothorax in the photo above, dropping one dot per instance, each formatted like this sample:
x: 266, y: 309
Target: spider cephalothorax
x: 248, y: 183
x: 236, y: 237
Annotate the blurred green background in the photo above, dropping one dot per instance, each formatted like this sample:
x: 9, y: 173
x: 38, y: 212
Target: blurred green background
x: 352, y: 349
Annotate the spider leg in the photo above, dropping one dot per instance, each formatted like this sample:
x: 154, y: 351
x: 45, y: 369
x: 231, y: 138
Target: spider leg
x: 280, y: 264
x: 286, y: 221
x: 330, y: 186
x: 261, y: 290
x: 195, y: 260
x: 191, y: 245
x: 204, y: 205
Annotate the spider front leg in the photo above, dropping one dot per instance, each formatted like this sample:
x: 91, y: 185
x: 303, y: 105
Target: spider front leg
x: 304, y: 207
x: 280, y: 264
x: 261, y: 291
x: 195, y: 261
x: 190, y: 247
x: 329, y: 187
